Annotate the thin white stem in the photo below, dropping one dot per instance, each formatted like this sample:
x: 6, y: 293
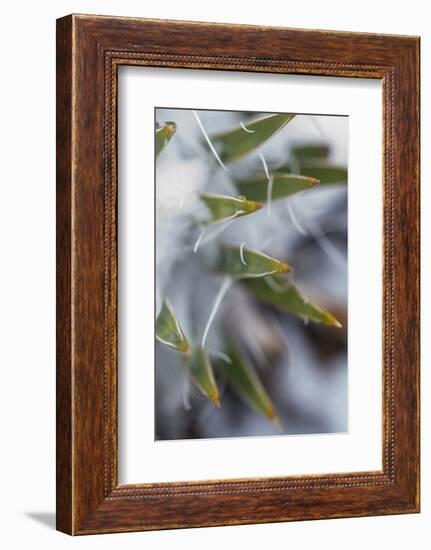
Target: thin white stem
x: 301, y: 293
x: 256, y: 275
x: 241, y: 253
x: 319, y: 236
x: 199, y: 240
x: 186, y: 394
x: 246, y: 129
x: 270, y: 179
x: 262, y: 254
x: 251, y: 339
x: 275, y: 286
x: 221, y: 293
x: 210, y: 145
x: 325, y: 244
x: 269, y: 194
x: 224, y: 224
x: 268, y: 241
x: 221, y: 229
x: 265, y: 166
x: 221, y: 355
x: 186, y: 196
x: 294, y: 218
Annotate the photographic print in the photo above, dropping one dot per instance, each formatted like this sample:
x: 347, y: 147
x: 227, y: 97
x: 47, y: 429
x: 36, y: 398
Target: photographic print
x: 251, y: 273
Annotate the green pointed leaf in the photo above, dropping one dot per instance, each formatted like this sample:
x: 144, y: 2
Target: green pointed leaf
x: 243, y: 263
x: 202, y: 374
x: 279, y: 293
x: 168, y: 330
x: 234, y: 144
x: 283, y: 185
x: 222, y: 207
x: 326, y: 173
x: 310, y: 151
x: 244, y: 381
x: 164, y: 133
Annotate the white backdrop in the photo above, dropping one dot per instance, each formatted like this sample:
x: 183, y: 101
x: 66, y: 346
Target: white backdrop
x: 141, y: 458
x: 27, y: 276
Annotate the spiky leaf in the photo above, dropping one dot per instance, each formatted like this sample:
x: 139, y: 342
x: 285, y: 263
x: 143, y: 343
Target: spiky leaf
x: 236, y: 143
x: 310, y: 151
x: 222, y: 207
x: 244, y: 381
x: 326, y: 173
x: 243, y: 263
x: 164, y: 133
x: 202, y: 374
x: 168, y: 330
x: 283, y: 185
x: 279, y: 293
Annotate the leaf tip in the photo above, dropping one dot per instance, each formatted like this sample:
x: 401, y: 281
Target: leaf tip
x: 332, y: 321
x: 214, y: 397
x: 184, y: 346
x: 171, y: 127
x: 255, y: 205
x: 277, y: 422
x: 285, y: 268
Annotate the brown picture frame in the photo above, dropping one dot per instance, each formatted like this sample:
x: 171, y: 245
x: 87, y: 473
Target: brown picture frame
x: 89, y: 51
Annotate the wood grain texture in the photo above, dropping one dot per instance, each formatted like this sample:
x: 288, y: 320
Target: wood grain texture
x: 64, y: 495
x: 90, y: 49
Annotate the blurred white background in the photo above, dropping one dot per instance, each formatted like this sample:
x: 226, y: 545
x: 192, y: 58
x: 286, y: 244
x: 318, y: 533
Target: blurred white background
x: 27, y: 221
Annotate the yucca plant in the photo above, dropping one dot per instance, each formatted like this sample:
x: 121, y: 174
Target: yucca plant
x: 211, y: 214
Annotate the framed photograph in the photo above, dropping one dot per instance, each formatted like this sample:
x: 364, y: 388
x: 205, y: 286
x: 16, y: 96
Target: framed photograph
x: 237, y: 274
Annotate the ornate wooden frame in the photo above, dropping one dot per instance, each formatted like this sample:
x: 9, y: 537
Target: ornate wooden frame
x: 89, y: 51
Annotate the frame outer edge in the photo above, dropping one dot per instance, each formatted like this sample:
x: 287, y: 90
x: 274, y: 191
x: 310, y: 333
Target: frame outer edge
x: 64, y: 367
x: 407, y: 271
x: 81, y: 506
